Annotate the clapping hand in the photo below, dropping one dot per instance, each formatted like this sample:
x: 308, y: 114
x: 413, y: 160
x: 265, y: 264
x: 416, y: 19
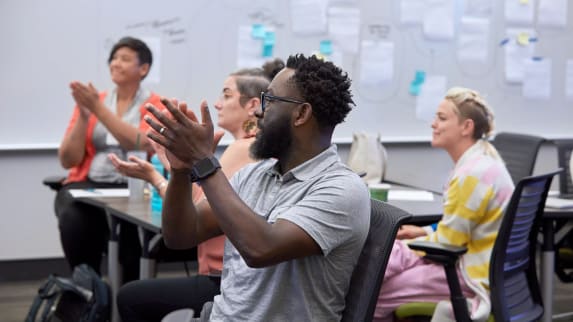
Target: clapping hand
x: 185, y: 140
x: 161, y: 154
x: 86, y: 96
x: 134, y: 167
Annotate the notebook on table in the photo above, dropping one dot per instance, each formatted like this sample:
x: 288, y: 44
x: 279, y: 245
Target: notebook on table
x: 559, y: 194
x: 109, y: 192
x: 559, y: 203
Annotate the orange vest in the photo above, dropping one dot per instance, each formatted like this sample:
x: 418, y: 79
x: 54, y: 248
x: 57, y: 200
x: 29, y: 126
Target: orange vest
x: 80, y: 172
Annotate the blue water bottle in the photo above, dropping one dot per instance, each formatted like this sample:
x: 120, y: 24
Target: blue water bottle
x: 156, y: 201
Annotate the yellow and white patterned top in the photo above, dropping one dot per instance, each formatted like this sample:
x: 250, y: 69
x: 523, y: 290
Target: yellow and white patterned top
x: 475, y: 199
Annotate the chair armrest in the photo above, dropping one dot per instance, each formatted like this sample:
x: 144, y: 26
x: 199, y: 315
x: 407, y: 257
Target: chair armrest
x: 447, y: 255
x: 54, y: 182
x: 441, y: 253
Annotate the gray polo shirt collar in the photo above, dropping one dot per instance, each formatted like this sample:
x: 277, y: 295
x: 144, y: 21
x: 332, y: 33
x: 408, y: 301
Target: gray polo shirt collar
x: 310, y: 168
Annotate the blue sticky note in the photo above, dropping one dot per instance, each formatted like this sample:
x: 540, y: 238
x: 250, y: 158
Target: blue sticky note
x: 416, y: 84
x: 268, y: 50
x: 419, y: 77
x: 326, y: 47
x: 415, y: 88
x: 269, y: 39
x: 258, y: 31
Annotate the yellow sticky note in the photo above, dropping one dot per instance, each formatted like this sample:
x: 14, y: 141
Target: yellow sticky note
x: 523, y: 38
x: 524, y: 1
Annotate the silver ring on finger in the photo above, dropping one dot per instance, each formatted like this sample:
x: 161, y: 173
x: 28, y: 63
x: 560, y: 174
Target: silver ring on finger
x: 162, y: 130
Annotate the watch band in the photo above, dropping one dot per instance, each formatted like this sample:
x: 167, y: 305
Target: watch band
x: 204, y: 168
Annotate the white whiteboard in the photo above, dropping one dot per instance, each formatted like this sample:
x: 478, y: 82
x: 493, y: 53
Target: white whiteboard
x: 47, y: 44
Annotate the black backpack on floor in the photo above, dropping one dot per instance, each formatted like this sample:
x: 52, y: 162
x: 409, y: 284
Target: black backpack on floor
x: 83, y: 298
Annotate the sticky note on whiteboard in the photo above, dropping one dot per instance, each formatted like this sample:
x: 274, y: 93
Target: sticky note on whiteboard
x: 523, y: 38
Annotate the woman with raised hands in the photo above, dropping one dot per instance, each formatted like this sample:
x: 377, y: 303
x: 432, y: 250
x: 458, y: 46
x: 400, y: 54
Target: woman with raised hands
x: 103, y: 122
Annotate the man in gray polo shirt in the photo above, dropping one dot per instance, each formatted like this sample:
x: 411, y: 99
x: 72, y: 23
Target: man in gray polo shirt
x: 295, y: 222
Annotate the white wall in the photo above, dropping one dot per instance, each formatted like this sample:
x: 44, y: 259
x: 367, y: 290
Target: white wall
x: 422, y: 166
x: 199, y: 48
x: 28, y: 229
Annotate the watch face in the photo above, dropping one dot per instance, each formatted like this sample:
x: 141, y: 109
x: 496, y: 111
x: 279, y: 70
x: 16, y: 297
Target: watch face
x: 204, y: 168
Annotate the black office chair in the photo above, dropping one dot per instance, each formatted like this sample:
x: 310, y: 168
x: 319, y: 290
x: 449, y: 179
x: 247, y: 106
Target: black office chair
x: 564, y: 149
x: 54, y: 182
x: 519, y: 152
x: 385, y: 220
x: 514, y: 293
x: 564, y: 239
x: 366, y: 280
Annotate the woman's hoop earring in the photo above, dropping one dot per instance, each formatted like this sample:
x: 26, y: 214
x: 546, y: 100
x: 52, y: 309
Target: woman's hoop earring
x: 250, y: 127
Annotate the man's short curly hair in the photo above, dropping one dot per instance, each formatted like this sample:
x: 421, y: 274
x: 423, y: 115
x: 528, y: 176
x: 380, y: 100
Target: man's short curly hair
x: 323, y: 85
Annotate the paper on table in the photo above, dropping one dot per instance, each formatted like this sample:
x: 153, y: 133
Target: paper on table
x: 79, y: 193
x: 553, y: 193
x: 558, y: 203
x: 410, y: 195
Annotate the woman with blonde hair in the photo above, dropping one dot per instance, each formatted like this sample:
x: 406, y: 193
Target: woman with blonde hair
x: 475, y: 197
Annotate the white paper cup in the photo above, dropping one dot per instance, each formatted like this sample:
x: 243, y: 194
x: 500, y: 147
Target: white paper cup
x: 136, y: 186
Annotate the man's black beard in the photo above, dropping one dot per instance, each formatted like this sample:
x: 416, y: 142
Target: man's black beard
x: 272, y: 141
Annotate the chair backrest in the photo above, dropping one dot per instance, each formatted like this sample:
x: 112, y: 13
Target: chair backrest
x: 519, y: 152
x: 564, y: 148
x: 513, y: 278
x: 54, y: 182
x: 369, y: 272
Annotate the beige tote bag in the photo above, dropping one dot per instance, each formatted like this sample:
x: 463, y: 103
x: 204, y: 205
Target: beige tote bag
x: 367, y: 155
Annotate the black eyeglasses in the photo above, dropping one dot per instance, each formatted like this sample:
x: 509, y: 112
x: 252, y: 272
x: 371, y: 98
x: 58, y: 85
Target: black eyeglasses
x: 268, y: 98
